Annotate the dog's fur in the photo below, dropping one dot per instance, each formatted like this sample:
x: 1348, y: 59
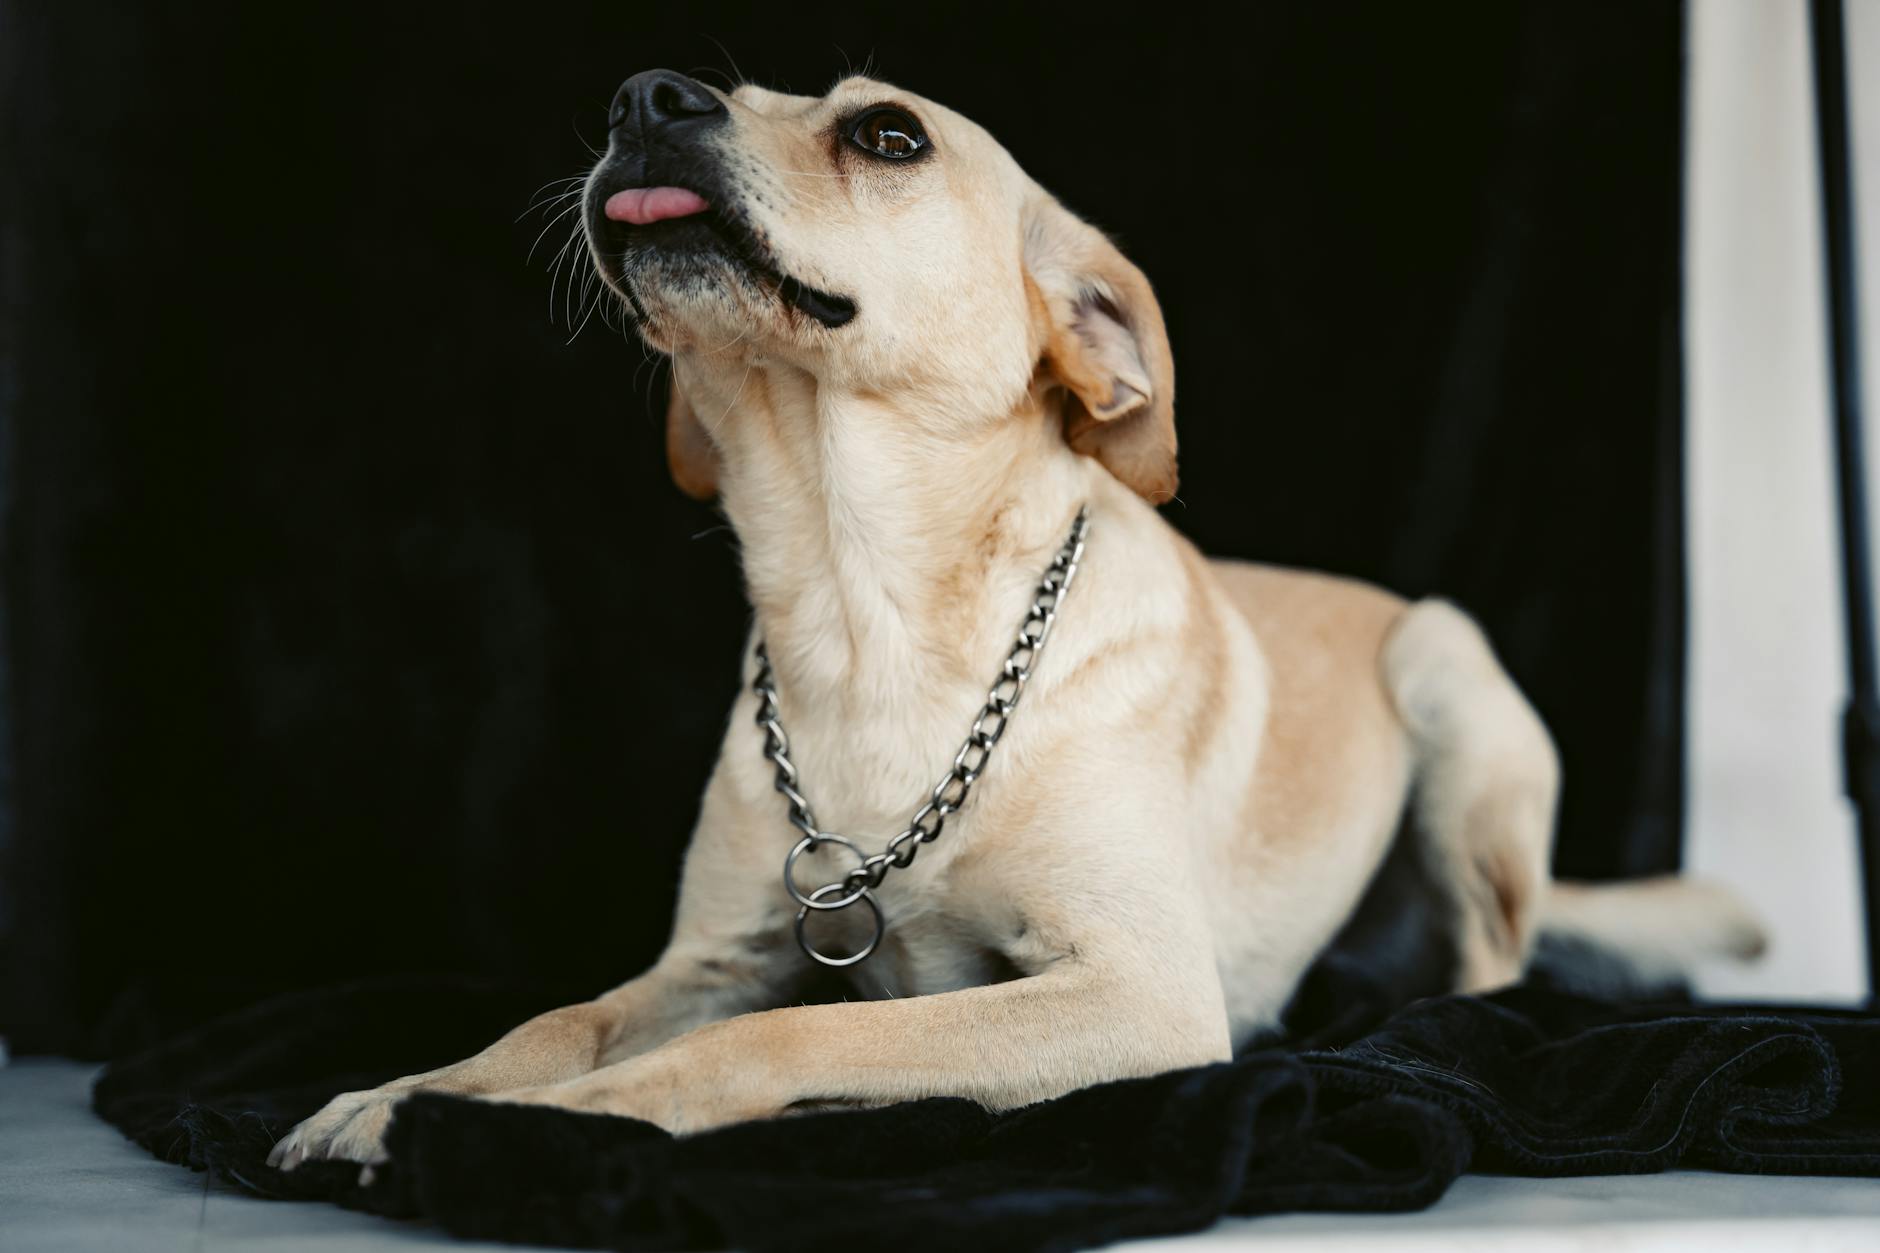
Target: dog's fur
x: 1210, y: 761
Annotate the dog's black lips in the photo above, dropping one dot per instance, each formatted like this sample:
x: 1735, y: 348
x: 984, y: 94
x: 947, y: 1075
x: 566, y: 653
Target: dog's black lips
x: 826, y: 307
x: 743, y: 245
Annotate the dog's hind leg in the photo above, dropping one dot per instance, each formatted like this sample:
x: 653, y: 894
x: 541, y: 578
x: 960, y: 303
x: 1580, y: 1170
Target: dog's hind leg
x: 1486, y: 778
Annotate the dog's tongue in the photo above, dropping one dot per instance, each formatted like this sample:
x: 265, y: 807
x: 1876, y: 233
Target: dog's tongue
x: 642, y: 206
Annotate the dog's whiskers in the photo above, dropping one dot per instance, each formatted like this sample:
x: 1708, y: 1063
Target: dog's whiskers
x: 593, y: 292
x: 713, y: 428
x: 736, y: 73
x: 561, y: 200
x: 552, y: 224
x: 554, y: 274
x: 591, y: 306
x: 551, y: 204
x: 699, y: 70
x: 567, y: 299
x: 536, y: 201
x: 646, y: 359
x: 735, y: 340
x: 554, y: 280
x: 848, y: 66
x: 575, y: 126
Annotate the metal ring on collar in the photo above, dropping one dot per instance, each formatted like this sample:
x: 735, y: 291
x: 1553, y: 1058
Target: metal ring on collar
x: 812, y: 900
x: 802, y: 916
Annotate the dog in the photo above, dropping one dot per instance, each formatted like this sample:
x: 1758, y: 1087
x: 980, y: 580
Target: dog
x: 904, y: 370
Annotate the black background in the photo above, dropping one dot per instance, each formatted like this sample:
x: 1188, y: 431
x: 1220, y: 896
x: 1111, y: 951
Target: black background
x: 351, y: 622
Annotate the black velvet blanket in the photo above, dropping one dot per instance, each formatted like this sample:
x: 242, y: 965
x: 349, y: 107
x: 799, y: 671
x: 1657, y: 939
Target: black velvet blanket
x: 1353, y: 1116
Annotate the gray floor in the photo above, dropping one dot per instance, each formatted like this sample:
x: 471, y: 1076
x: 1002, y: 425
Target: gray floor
x: 70, y: 1183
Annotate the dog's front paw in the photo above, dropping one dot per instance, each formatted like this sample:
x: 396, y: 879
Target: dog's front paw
x: 351, y: 1128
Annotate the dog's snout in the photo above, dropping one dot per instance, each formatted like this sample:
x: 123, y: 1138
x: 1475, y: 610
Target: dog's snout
x: 662, y: 100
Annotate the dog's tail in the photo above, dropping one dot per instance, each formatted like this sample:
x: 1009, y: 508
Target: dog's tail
x: 1642, y: 936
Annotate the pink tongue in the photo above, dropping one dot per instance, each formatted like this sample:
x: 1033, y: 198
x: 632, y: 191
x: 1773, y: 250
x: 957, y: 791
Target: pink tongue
x: 641, y: 206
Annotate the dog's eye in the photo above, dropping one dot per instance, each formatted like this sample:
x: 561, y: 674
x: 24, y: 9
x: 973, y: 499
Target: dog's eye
x: 889, y: 133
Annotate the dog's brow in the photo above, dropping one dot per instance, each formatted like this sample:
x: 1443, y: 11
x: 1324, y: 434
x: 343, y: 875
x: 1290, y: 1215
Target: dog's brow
x: 855, y: 90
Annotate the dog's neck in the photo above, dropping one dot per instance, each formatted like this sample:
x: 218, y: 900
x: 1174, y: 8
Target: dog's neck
x: 890, y: 543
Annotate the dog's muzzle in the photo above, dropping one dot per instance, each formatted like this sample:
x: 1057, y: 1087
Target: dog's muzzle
x: 660, y: 166
x: 661, y: 192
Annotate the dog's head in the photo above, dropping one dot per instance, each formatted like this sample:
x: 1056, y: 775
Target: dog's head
x: 882, y: 243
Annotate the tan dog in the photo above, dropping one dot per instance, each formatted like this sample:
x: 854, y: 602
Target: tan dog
x: 903, y: 367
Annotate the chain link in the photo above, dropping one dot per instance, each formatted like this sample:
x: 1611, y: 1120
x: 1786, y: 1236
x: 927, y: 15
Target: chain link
x: 947, y: 796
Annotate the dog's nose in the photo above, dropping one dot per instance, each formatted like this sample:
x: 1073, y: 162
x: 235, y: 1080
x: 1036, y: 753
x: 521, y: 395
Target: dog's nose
x: 661, y: 100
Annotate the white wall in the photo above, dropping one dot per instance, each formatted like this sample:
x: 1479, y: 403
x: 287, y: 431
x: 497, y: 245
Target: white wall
x: 1767, y: 662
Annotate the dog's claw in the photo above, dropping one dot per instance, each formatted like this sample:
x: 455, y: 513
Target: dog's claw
x: 351, y: 1127
x: 288, y: 1152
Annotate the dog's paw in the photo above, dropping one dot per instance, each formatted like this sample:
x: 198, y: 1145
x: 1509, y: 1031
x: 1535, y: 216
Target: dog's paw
x: 351, y: 1128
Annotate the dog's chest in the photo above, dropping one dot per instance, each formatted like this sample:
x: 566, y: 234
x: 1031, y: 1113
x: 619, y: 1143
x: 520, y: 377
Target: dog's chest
x: 870, y: 770
x: 929, y: 950
x: 947, y: 925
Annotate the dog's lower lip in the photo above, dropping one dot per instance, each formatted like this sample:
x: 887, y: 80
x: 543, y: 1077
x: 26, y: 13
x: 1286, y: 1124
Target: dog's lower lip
x: 642, y: 206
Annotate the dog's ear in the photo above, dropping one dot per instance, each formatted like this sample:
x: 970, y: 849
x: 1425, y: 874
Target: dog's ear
x: 1104, y: 348
x: 689, y: 452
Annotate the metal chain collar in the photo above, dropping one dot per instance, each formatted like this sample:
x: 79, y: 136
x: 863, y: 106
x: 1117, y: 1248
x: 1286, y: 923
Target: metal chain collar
x: 947, y: 796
